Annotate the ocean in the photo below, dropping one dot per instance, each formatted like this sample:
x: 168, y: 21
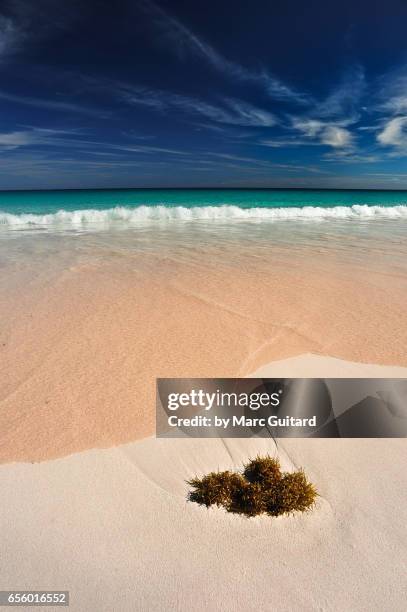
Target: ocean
x: 53, y: 230
x: 102, y: 291
x: 128, y: 207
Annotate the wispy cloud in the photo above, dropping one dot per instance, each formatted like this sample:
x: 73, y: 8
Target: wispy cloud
x: 231, y: 111
x: 392, y: 92
x: 231, y: 133
x: 328, y: 122
x: 10, y: 36
x: 138, y: 149
x: 24, y: 21
x: 344, y: 99
x: 390, y: 108
x: 54, y: 105
x: 249, y: 115
x: 183, y: 39
x: 268, y: 164
x: 278, y: 143
x: 72, y: 139
x: 349, y: 157
x: 35, y: 137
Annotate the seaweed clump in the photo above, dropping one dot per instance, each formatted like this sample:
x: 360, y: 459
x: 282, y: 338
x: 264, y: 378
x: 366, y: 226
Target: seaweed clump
x: 264, y: 470
x: 262, y: 489
x: 216, y: 488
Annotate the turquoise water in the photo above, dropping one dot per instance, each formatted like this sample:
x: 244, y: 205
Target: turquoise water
x: 49, y: 202
x: 40, y: 229
x: 131, y: 208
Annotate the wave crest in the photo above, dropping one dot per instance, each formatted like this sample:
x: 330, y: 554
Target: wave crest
x: 139, y: 214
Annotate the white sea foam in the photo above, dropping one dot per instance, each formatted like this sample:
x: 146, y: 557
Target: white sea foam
x: 140, y: 214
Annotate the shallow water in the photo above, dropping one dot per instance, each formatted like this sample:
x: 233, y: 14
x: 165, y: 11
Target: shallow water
x: 228, y: 229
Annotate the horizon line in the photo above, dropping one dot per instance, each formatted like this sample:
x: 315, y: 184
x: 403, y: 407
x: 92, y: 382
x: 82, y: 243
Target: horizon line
x: 212, y: 188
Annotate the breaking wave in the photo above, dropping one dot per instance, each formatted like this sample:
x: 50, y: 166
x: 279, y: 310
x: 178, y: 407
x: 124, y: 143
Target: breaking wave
x: 133, y: 216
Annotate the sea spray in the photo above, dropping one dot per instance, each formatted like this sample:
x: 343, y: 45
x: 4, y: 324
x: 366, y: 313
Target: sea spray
x: 129, y: 216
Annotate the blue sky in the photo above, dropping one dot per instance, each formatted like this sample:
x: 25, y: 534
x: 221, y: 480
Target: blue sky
x: 144, y: 94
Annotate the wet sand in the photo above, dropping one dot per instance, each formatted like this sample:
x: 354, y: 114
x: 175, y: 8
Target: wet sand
x: 81, y: 348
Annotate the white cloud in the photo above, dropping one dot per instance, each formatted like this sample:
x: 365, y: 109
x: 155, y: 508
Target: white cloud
x: 13, y: 140
x: 333, y: 135
x: 35, y: 136
x: 394, y: 133
x: 309, y: 127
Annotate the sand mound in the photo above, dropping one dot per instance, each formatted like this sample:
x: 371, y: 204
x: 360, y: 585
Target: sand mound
x: 114, y: 527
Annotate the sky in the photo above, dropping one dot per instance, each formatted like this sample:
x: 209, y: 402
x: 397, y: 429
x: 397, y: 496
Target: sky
x: 138, y: 93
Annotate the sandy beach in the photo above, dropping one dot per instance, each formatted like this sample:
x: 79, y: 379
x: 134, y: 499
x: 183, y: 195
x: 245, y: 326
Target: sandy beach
x: 89, y: 509
x: 94, y: 504
x: 81, y: 348
x: 114, y: 528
